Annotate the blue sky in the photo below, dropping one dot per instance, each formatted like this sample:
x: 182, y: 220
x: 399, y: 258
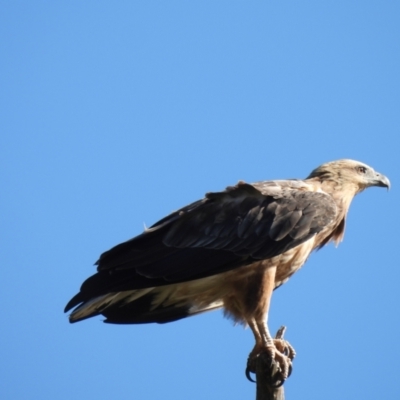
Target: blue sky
x: 114, y: 114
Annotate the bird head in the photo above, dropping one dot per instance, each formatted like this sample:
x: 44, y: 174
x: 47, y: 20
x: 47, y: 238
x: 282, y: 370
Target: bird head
x: 350, y: 173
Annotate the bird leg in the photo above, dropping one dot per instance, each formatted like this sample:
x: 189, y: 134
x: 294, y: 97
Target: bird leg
x: 278, y: 350
x: 257, y: 300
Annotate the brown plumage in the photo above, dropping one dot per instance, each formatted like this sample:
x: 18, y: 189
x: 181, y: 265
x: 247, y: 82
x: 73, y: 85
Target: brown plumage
x: 230, y: 250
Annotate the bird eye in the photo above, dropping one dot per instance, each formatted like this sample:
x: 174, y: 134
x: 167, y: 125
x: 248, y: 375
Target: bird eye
x: 362, y: 170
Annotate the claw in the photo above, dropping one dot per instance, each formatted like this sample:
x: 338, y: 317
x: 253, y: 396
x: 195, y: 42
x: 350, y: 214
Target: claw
x: 290, y: 371
x: 251, y: 368
x: 279, y: 355
x: 248, y: 376
x: 274, y: 375
x: 277, y: 385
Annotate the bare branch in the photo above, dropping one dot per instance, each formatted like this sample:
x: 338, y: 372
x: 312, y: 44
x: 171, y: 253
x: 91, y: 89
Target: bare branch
x: 268, y: 373
x: 266, y: 370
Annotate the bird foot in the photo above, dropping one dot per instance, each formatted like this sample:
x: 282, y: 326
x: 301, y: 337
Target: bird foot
x: 278, y: 355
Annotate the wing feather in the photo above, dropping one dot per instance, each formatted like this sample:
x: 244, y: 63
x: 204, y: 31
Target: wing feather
x: 223, y: 231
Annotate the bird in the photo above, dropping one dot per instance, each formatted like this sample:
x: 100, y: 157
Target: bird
x: 229, y: 250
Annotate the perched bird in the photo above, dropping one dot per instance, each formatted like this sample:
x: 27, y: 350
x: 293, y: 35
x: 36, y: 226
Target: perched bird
x: 230, y: 249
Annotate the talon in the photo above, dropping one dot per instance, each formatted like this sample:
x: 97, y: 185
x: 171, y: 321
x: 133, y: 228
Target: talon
x: 276, y: 354
x: 279, y: 366
x: 277, y: 385
x: 248, y: 376
x: 290, y: 370
x: 251, y: 367
x: 281, y: 353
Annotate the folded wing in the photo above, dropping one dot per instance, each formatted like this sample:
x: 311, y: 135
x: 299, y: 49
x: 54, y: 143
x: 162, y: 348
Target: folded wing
x: 224, y: 231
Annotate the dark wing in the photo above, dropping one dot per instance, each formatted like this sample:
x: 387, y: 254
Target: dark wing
x: 222, y: 232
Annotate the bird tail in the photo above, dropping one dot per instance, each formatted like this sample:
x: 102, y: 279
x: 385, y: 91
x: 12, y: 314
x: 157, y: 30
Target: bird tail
x: 138, y: 307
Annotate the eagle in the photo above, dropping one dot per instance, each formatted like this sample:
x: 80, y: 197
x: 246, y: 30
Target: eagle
x: 229, y: 250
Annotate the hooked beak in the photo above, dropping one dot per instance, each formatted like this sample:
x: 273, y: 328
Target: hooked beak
x: 380, y: 181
